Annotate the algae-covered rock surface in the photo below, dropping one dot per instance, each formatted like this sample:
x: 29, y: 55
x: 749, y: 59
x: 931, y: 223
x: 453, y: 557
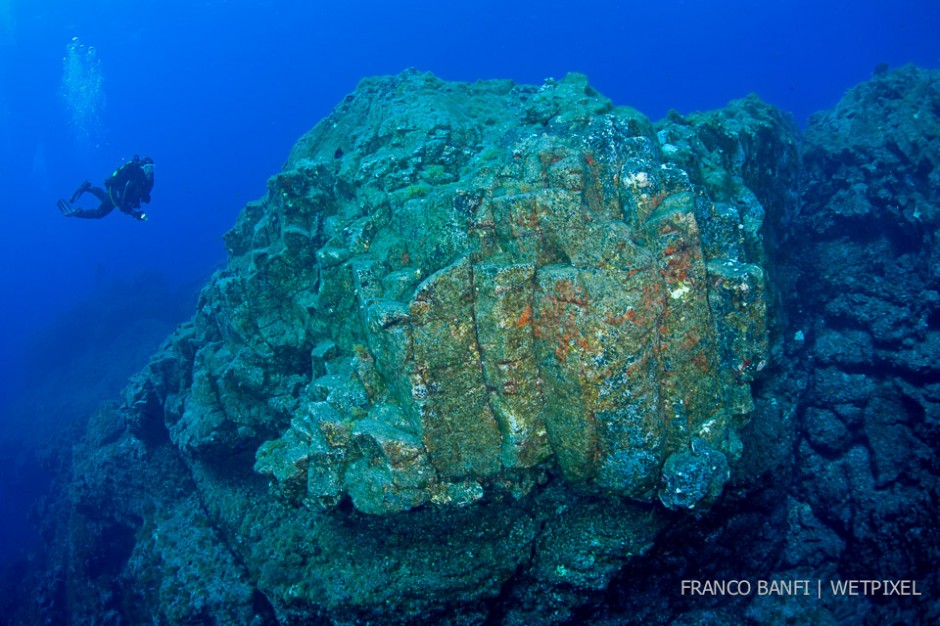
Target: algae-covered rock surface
x: 498, y: 353
x: 458, y: 287
x: 473, y: 332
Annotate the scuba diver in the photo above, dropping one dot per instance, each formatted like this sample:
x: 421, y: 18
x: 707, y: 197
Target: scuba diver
x: 125, y: 189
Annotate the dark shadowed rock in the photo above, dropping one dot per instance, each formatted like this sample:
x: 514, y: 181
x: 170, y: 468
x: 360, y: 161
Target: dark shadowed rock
x: 866, y: 240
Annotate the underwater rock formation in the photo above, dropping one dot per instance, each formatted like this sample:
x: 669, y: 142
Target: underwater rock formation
x: 868, y: 240
x: 486, y: 280
x: 457, y: 295
x: 485, y: 353
x: 451, y: 287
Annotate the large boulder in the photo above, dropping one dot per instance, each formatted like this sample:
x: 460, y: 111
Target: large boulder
x: 473, y: 333
x: 452, y: 287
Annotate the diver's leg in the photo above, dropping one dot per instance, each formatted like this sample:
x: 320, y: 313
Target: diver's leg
x: 99, y: 193
x: 85, y: 186
x: 101, y: 211
x: 105, y: 206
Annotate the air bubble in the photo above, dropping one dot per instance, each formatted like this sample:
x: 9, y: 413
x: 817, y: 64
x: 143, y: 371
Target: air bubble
x: 83, y: 91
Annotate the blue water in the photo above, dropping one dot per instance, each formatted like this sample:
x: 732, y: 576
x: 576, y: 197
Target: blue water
x: 216, y: 92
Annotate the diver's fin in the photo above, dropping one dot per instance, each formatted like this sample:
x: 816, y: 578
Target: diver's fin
x: 66, y: 209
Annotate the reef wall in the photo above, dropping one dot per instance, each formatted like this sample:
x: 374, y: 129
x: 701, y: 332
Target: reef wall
x: 510, y: 354
x: 867, y: 247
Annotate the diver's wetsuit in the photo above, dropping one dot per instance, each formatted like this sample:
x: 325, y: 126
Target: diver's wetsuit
x: 125, y: 189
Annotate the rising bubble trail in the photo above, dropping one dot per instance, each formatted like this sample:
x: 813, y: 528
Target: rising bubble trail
x: 83, y: 91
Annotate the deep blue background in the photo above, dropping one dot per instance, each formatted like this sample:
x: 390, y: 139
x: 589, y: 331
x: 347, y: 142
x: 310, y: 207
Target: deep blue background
x: 217, y: 92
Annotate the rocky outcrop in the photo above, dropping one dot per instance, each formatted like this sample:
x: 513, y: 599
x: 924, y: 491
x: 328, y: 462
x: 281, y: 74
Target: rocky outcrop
x: 452, y: 287
x: 867, y: 239
x: 494, y: 353
x: 508, y: 297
